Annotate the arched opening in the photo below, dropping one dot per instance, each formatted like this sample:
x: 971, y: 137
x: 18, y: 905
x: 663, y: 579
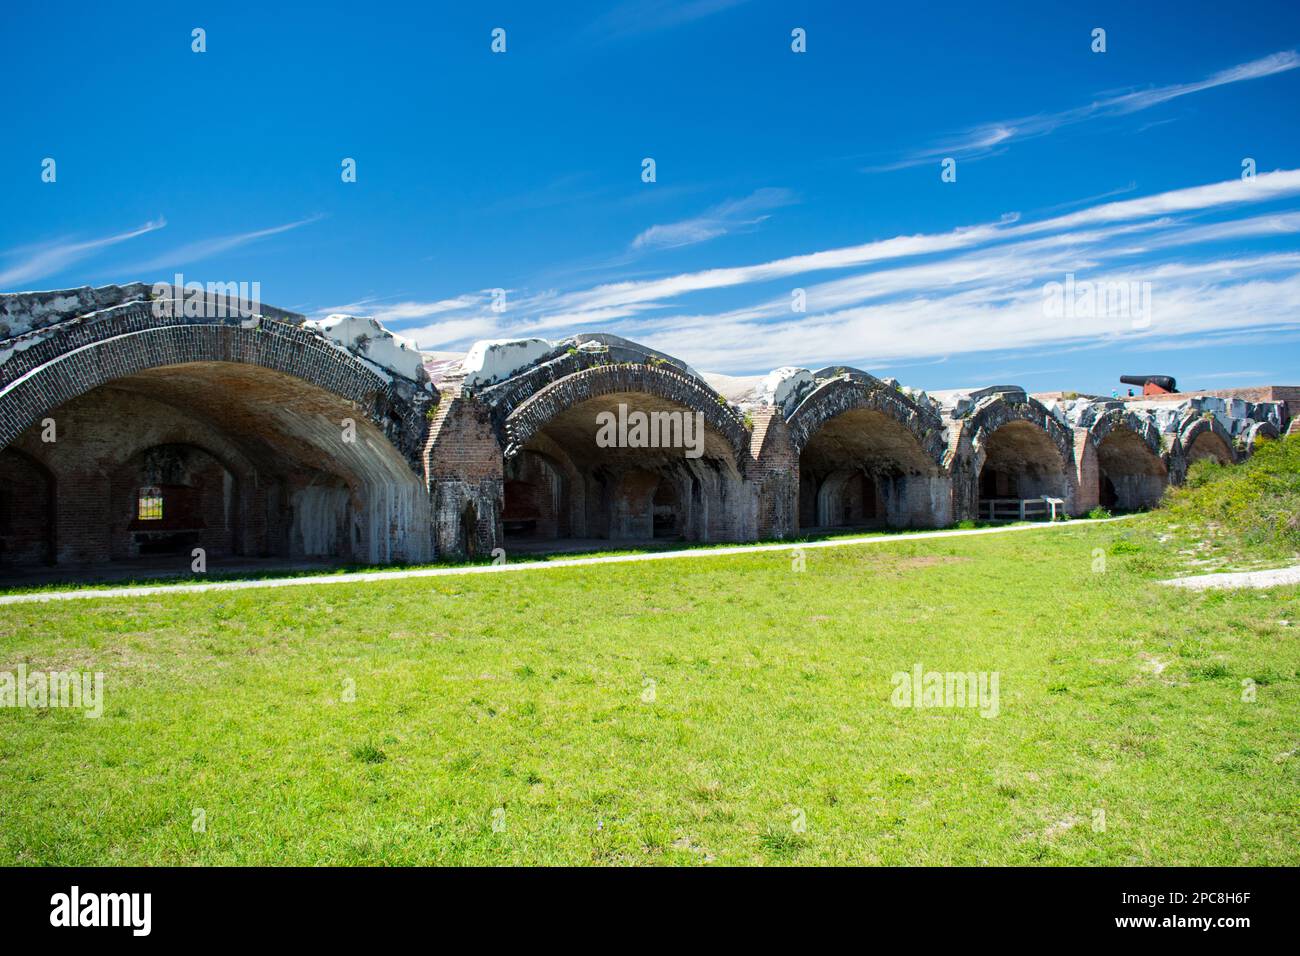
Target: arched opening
x: 1209, y: 445
x: 170, y: 499
x: 847, y: 498
x: 469, y: 530
x: 1022, y: 467
x: 535, y: 495
x: 27, y: 516
x: 625, y: 466
x: 254, y: 465
x: 1130, y: 475
x: 864, y: 469
x: 667, y: 511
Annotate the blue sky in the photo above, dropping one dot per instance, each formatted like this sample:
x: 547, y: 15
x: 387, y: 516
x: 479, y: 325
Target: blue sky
x: 774, y: 171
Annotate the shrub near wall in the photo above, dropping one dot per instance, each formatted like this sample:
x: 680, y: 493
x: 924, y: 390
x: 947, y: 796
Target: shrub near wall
x: 1257, y: 500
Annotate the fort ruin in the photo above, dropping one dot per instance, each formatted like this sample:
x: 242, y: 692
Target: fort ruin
x: 129, y: 432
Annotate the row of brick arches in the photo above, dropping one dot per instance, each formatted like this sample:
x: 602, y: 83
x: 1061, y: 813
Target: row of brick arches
x: 267, y: 443
x: 860, y: 455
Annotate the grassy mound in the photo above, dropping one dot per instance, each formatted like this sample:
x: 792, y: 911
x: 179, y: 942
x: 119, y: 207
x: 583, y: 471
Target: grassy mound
x: 1257, y: 501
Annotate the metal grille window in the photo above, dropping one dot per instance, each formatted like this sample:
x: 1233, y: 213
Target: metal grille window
x: 150, y: 505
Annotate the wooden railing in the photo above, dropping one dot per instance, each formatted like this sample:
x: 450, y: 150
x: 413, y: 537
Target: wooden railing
x: 1019, y: 509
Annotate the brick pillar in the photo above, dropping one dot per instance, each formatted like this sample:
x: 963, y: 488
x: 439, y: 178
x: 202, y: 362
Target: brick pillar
x: 464, y: 466
x: 963, y: 474
x: 772, y: 473
x: 1085, y: 459
x: 1176, y: 463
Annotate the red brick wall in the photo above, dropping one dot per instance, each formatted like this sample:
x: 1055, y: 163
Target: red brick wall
x: 773, y: 474
x: 1089, y: 473
x: 465, y: 468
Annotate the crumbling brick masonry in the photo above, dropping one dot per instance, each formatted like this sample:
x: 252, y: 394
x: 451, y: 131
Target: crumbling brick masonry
x: 129, y: 432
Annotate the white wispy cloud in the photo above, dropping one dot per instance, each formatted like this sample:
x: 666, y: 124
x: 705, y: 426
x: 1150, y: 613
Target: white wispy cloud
x: 396, y: 312
x: 986, y: 138
x: 1232, y: 192
x: 627, y: 299
x: 1254, y: 70
x: 442, y: 335
x: 972, y: 289
x: 1089, y: 200
x: 49, y: 259
x: 1239, y: 376
x: 207, y: 248
x: 973, y: 322
x: 734, y: 215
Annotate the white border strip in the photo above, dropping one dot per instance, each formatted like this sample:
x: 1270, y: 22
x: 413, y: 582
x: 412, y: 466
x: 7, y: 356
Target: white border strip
x: 361, y: 577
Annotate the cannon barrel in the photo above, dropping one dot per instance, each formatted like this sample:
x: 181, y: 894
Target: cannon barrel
x: 1167, y: 382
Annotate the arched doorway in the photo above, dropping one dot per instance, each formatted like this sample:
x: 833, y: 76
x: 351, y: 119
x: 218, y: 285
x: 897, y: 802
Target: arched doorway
x: 1022, y: 466
x: 469, y: 530
x: 863, y: 469
x: 242, y: 460
x: 632, y: 454
x: 667, y: 512
x: 1131, y: 476
x: 1208, y: 445
x: 846, y: 498
x: 536, y: 498
x: 28, y: 518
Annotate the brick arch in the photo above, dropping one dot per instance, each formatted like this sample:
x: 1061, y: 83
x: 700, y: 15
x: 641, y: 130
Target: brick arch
x: 227, y: 452
x: 1114, y: 419
x: 858, y: 393
x: 968, y: 451
x: 270, y: 344
x: 1134, y: 465
x: 1257, y: 431
x: 993, y: 415
x: 1199, y: 426
x: 533, y: 414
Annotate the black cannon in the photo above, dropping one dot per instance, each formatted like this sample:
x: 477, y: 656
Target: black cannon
x: 1166, y: 383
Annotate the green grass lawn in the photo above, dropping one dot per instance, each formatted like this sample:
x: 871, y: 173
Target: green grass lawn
x: 507, y: 718
x: 88, y: 580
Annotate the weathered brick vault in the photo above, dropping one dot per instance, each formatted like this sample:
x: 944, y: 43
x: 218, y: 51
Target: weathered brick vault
x: 125, y: 433
x: 129, y: 432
